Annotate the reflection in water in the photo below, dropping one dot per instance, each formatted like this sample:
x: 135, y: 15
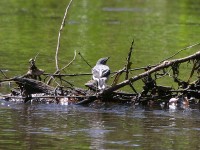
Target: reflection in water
x: 96, y: 132
x: 125, y: 9
x: 41, y: 126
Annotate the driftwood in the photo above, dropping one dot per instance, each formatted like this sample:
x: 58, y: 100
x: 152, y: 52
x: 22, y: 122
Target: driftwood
x: 28, y: 87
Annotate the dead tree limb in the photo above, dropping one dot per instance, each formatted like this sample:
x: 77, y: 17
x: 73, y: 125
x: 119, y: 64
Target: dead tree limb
x: 128, y: 64
x: 158, y: 67
x: 58, y: 42
x: 126, y: 68
x: 32, y: 86
x: 59, y: 34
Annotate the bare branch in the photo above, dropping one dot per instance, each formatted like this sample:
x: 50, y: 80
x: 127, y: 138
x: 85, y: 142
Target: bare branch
x: 59, y: 34
x: 180, y: 51
x: 69, y: 62
x: 158, y: 67
x: 3, y: 74
x: 128, y: 64
x: 84, y: 60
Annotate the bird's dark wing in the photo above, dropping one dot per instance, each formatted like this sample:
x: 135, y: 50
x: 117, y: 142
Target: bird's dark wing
x: 105, y: 71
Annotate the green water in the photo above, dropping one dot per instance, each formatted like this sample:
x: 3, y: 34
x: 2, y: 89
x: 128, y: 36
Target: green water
x: 95, y: 28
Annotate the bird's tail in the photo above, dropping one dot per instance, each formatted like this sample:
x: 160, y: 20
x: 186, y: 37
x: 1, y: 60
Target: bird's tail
x: 102, y: 83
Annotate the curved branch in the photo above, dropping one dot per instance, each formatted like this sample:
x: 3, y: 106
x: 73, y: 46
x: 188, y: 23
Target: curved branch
x: 69, y: 62
x: 59, y: 34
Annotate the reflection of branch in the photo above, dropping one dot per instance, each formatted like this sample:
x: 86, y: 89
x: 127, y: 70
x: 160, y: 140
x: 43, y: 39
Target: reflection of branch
x: 158, y: 67
x: 59, y: 34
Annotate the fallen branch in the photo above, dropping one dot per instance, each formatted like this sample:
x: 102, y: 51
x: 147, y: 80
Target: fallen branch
x: 158, y: 67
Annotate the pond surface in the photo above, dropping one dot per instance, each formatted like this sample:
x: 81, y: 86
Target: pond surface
x: 95, y: 28
x: 42, y: 126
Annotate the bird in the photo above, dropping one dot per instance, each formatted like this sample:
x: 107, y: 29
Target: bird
x: 173, y: 103
x: 33, y: 71
x: 179, y: 102
x: 101, y: 72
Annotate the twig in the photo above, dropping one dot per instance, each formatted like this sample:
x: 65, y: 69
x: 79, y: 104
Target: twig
x: 132, y: 87
x: 58, y: 42
x: 117, y: 76
x: 58, y: 71
x: 3, y: 74
x: 125, y: 69
x: 59, y: 34
x: 128, y: 64
x: 180, y: 51
x: 158, y: 67
x: 70, y: 75
x: 69, y: 62
x: 84, y: 60
x: 36, y: 56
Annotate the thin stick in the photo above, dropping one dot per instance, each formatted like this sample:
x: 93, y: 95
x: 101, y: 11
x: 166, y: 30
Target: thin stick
x: 36, y: 56
x: 128, y: 65
x: 3, y: 74
x: 70, y: 75
x: 59, y: 34
x: 180, y: 51
x: 84, y: 60
x: 70, y: 61
x: 58, y: 42
x: 158, y: 67
x: 58, y: 71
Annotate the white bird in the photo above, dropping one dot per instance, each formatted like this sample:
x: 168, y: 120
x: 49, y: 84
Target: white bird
x: 180, y: 102
x: 101, y: 72
x: 173, y: 103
